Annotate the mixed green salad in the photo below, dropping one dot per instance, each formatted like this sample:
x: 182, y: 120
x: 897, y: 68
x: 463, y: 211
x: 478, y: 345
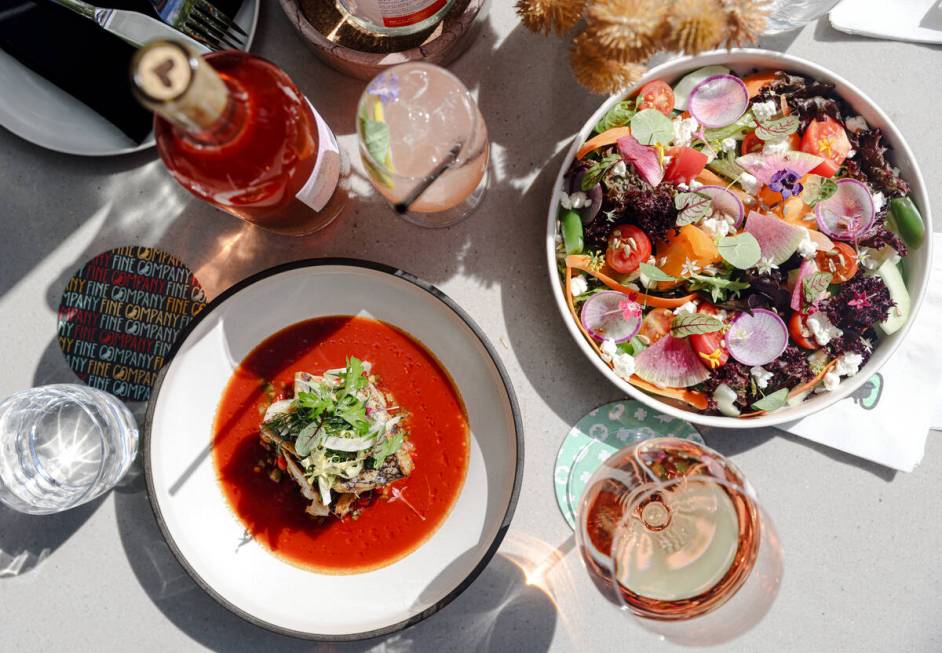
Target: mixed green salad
x: 735, y: 242
x: 339, y: 437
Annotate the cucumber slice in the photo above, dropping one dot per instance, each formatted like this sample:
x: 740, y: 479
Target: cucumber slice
x: 685, y: 85
x: 893, y: 279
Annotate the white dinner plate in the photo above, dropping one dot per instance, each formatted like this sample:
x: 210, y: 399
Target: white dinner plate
x: 40, y: 112
x: 205, y: 534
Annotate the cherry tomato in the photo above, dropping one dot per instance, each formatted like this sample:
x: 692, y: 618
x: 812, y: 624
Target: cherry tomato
x: 628, y: 246
x: 656, y: 95
x: 827, y: 139
x: 686, y: 163
x: 752, y: 143
x: 842, y: 262
x: 656, y: 324
x: 800, y: 333
x: 710, y: 347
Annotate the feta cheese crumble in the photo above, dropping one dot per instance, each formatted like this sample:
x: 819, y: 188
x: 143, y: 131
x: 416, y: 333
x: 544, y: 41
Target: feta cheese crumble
x: 764, y: 110
x: 847, y: 365
x: 749, y: 183
x: 776, y: 148
x: 822, y: 329
x: 688, y: 307
x: 620, y: 169
x: 728, y: 144
x: 579, y: 285
x: 807, y: 247
x: 761, y: 376
x: 684, y: 131
x: 718, y: 225
x: 856, y: 124
x: 623, y: 364
x: 878, y: 201
x: 576, y: 200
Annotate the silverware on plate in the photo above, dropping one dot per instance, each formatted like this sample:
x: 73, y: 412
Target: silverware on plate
x: 135, y: 28
x: 203, y: 21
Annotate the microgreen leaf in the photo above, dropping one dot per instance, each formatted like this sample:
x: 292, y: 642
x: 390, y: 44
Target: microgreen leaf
x: 597, y: 169
x: 618, y: 116
x: 718, y: 287
x: 386, y: 448
x: 654, y: 273
x: 688, y: 324
x: 773, y: 401
x: 817, y: 189
x: 692, y: 207
x: 815, y: 284
x: 351, y: 379
x: 776, y: 130
x: 307, y: 438
x: 651, y: 127
x: 741, y: 251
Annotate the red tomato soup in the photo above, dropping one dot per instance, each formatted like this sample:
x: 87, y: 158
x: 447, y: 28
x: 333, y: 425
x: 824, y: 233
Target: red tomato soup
x: 385, y: 531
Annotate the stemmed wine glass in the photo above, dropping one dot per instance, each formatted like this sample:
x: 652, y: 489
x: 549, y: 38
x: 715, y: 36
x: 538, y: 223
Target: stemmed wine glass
x: 673, y: 533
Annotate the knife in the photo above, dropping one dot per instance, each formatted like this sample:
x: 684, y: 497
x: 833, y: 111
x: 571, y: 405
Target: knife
x: 135, y: 28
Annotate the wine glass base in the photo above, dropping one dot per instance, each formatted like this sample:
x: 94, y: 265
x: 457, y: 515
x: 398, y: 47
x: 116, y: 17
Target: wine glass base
x: 454, y: 215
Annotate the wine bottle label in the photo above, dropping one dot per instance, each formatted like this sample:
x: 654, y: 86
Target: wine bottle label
x: 394, y: 13
x: 320, y: 186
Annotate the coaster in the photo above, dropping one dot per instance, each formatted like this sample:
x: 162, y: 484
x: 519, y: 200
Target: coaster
x: 601, y: 433
x: 120, y: 315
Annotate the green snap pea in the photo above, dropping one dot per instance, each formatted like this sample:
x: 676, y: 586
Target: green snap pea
x: 572, y: 232
x: 907, y: 221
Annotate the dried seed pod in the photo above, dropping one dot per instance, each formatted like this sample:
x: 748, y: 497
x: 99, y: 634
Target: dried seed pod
x: 599, y: 73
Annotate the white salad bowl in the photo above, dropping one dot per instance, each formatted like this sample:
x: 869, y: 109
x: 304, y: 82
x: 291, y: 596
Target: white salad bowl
x: 208, y: 538
x: 916, y: 265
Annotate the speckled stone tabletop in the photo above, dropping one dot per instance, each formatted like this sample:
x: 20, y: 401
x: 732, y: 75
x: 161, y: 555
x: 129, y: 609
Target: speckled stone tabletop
x: 861, y: 542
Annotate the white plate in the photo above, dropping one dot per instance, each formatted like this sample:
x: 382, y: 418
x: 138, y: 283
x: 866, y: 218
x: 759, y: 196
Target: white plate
x: 195, y: 516
x: 917, y: 264
x: 45, y: 115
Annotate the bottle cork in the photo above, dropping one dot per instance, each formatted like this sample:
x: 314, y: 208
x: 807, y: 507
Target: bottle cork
x: 172, y: 79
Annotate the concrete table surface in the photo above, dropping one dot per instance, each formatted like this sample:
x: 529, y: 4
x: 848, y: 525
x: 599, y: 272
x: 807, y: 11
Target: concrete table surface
x: 861, y: 542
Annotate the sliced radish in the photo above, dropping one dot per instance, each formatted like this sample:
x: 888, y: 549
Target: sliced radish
x: 808, y: 267
x: 848, y: 213
x: 763, y: 166
x: 777, y: 239
x: 725, y: 202
x: 671, y: 363
x: 718, y: 101
x: 643, y: 158
x: 757, y: 339
x: 611, y: 315
x: 683, y: 88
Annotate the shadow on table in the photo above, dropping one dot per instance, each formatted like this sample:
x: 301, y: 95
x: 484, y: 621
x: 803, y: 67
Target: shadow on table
x: 498, y: 612
x: 27, y: 540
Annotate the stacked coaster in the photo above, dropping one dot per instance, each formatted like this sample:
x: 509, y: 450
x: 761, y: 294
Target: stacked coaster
x: 120, y: 316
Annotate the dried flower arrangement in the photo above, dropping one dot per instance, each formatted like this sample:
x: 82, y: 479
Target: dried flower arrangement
x: 619, y: 36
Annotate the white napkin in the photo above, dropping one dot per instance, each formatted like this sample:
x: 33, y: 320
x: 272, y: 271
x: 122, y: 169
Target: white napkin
x: 919, y: 21
x: 888, y: 419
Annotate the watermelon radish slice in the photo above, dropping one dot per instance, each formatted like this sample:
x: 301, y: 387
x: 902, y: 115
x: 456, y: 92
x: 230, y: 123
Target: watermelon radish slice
x: 725, y: 202
x: 643, y: 158
x: 848, y: 213
x: 757, y: 339
x: 611, y: 315
x: 718, y: 101
x: 683, y: 88
x: 671, y: 363
x: 777, y: 239
x: 763, y: 166
x: 808, y: 267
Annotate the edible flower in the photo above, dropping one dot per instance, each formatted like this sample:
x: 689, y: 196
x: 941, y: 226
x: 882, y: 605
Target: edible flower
x: 785, y: 181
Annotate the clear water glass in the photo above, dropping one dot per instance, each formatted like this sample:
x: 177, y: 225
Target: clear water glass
x: 419, y: 129
x: 61, y: 446
x: 791, y: 14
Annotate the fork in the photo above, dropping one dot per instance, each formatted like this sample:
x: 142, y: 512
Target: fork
x: 203, y: 21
